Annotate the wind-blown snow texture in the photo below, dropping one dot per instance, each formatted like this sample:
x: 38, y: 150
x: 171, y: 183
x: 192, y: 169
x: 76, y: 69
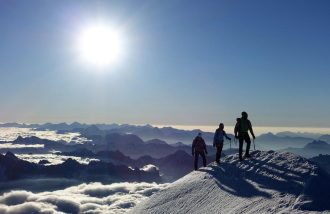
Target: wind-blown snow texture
x: 269, y: 182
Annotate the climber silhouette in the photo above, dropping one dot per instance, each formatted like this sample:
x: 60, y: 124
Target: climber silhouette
x: 218, y: 139
x: 242, y: 128
x: 199, y: 148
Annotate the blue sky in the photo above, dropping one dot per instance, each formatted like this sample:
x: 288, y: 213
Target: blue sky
x: 185, y: 62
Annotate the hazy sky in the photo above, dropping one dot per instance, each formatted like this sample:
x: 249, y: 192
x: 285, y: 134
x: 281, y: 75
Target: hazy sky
x: 185, y: 62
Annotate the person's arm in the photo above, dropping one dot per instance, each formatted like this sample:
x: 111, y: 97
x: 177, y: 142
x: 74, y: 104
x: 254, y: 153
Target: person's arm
x: 251, y: 130
x: 225, y: 134
x: 236, y: 130
x: 204, y: 146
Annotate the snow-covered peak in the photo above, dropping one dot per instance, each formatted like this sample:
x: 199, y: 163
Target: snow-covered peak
x: 269, y: 182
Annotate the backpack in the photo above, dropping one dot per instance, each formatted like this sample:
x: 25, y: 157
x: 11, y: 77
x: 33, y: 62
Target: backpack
x: 244, y: 126
x: 199, y: 144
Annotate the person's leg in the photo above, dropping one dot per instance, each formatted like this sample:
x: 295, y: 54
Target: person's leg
x: 240, y: 149
x: 204, y: 158
x: 219, y: 150
x: 217, y: 157
x: 248, y: 144
x: 196, y: 160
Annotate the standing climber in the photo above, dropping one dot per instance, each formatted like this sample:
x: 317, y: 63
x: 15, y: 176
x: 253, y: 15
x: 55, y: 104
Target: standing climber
x: 199, y: 148
x: 218, y: 141
x: 242, y: 128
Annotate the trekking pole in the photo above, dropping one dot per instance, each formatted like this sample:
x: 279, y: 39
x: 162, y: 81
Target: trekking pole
x: 254, y: 145
x: 230, y: 146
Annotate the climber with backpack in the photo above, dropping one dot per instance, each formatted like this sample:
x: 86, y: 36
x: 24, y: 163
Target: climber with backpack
x: 242, y: 128
x: 218, y: 141
x: 199, y: 148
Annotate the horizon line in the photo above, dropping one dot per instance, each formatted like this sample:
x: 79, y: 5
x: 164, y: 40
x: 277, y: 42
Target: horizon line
x: 211, y: 128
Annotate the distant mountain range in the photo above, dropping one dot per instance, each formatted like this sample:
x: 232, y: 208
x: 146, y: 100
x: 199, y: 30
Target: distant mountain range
x: 129, y: 144
x: 171, y: 167
x: 299, y: 134
x: 146, y: 132
x: 315, y: 136
x: 48, y: 145
x: 318, y: 145
x: 325, y: 138
x: 276, y: 142
x: 147, y: 144
x: 13, y: 168
x: 113, y: 164
x: 312, y: 149
x: 169, y: 134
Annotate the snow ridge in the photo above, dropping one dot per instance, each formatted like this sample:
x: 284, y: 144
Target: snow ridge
x: 269, y: 182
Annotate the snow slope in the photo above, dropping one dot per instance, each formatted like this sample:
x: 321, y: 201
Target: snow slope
x: 269, y: 182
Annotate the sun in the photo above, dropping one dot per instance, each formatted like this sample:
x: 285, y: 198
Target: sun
x: 100, y: 45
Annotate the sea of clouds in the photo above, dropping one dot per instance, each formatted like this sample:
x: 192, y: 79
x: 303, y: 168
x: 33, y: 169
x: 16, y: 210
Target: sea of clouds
x: 53, y: 158
x: 11, y: 133
x: 64, y: 195
x: 86, y: 198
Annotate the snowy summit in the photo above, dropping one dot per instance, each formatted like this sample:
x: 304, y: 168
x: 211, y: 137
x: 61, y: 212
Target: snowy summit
x: 269, y: 182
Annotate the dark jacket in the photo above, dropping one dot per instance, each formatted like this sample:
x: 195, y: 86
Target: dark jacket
x: 219, y: 136
x: 242, y: 127
x: 198, y: 145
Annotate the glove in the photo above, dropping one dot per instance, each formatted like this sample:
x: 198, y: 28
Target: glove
x: 205, y: 152
x: 230, y: 139
x: 254, y: 137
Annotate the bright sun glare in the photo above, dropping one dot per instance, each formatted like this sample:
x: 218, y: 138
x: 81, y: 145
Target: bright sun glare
x: 100, y: 45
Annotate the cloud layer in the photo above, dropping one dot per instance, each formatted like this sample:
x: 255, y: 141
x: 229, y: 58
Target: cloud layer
x: 85, y: 198
x: 11, y: 133
x: 53, y: 158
